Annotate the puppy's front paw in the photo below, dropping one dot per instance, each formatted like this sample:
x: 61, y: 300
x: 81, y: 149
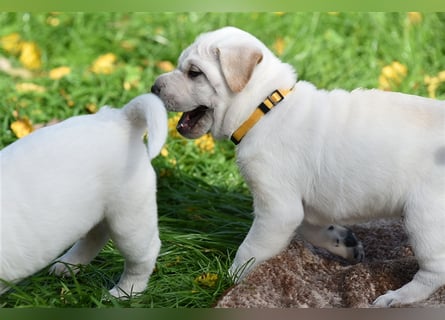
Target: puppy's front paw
x: 122, y: 294
x: 234, y: 273
x: 239, y: 270
x: 118, y: 293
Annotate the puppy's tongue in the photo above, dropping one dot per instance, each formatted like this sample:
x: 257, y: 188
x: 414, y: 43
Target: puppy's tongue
x: 190, y: 119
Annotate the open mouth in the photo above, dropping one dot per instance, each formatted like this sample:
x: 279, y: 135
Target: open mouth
x: 195, y: 123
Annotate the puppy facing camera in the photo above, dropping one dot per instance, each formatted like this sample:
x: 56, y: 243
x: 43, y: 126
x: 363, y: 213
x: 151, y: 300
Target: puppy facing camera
x: 86, y: 179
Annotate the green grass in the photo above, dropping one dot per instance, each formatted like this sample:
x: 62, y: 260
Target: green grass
x: 204, y: 206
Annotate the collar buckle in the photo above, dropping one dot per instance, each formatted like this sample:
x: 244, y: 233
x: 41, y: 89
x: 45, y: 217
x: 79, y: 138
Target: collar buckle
x: 271, y: 101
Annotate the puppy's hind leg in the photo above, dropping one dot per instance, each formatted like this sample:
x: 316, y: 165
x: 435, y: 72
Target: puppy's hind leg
x: 82, y: 252
x: 338, y: 240
x: 135, y: 234
x: 425, y: 225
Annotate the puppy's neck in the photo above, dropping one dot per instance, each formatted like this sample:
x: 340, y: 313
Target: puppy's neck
x: 263, y: 108
x: 265, y: 80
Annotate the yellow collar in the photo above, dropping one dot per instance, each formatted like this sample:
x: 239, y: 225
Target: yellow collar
x: 271, y: 101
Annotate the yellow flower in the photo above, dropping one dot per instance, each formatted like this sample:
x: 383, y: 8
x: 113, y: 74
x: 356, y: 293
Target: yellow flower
x: 414, y: 18
x: 104, y: 64
x: 384, y: 83
x: 434, y: 82
x: 207, y: 280
x: 53, y: 21
x: 165, y: 66
x: 399, y: 68
x: 91, y: 107
x: 11, y: 43
x: 205, y: 143
x: 21, y: 127
x: 164, y: 152
x: 29, y: 52
x: 29, y: 87
x: 60, y: 72
x: 392, y: 75
x: 172, y: 122
x: 30, y: 56
x: 279, y: 46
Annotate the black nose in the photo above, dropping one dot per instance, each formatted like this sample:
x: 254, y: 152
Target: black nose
x: 155, y: 89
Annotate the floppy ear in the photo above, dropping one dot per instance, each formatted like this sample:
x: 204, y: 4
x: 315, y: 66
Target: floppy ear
x: 237, y: 64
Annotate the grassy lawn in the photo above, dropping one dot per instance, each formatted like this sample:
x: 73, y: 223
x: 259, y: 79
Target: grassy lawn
x: 56, y: 65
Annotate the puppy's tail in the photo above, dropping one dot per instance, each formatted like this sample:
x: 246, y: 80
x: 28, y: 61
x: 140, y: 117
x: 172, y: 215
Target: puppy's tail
x: 148, y: 111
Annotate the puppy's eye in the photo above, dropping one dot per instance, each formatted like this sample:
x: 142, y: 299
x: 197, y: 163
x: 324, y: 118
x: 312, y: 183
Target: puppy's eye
x: 194, y: 72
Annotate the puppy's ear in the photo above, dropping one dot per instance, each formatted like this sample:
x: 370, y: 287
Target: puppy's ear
x: 237, y: 64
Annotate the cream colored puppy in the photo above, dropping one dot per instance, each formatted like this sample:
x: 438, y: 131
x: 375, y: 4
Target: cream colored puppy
x: 318, y: 157
x: 88, y: 178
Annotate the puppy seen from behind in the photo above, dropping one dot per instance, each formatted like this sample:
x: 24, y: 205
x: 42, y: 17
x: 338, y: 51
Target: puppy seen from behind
x: 85, y: 179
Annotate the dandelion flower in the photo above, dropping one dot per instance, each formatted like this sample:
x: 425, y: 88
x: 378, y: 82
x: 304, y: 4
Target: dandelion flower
x: 399, y: 68
x: 21, y: 127
x: 165, y: 66
x: 30, y: 56
x: 279, y: 46
x: 11, y: 43
x: 205, y: 143
x: 207, y: 280
x: 164, y: 152
x: 91, y: 107
x: 392, y: 75
x: 104, y: 64
x: 172, y: 122
x: 414, y: 18
x: 53, y: 21
x: 60, y: 72
x: 384, y: 83
x: 434, y: 82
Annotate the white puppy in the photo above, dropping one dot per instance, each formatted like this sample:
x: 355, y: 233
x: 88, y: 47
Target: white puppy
x: 317, y: 157
x: 88, y: 178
